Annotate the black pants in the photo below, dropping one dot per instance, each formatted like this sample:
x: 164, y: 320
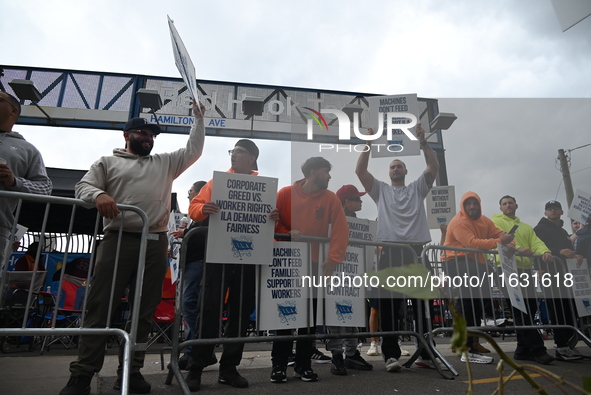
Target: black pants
x: 217, y: 278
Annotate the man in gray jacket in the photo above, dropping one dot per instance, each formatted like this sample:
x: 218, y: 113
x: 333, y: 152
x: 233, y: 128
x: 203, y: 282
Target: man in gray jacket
x: 130, y: 176
x: 21, y: 170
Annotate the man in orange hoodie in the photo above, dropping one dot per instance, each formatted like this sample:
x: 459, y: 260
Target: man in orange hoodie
x: 470, y: 229
x: 308, y: 208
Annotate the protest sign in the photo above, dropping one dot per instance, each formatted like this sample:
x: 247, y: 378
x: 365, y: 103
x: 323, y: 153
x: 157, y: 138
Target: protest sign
x: 241, y: 231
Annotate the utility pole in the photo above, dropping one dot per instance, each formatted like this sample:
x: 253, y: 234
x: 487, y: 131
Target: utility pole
x: 568, y: 185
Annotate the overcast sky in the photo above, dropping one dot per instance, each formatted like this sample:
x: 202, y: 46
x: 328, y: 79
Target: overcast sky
x: 521, y: 88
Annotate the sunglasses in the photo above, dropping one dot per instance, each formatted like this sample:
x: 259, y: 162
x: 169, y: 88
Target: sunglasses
x: 144, y: 133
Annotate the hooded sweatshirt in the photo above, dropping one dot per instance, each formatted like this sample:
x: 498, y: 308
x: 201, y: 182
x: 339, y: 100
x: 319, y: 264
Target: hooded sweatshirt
x: 26, y: 163
x: 465, y: 232
x: 554, y: 236
x: 142, y: 181
x: 311, y: 215
x: 525, y: 237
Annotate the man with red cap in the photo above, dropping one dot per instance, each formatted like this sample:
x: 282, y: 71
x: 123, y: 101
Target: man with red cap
x: 350, y: 198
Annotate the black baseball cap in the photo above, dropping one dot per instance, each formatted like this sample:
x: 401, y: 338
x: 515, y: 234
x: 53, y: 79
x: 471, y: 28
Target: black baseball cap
x: 135, y: 123
x: 553, y: 203
x: 251, y: 148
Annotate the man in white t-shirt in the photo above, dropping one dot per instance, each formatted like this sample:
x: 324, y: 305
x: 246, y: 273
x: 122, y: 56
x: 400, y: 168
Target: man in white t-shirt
x: 401, y: 219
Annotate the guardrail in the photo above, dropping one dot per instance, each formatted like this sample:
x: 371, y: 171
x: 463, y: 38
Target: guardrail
x: 46, y: 306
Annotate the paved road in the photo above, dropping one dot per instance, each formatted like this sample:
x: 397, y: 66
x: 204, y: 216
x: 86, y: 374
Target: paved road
x: 28, y: 374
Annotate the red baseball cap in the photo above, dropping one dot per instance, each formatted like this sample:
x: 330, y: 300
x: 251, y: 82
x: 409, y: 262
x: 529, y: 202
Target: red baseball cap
x: 348, y: 192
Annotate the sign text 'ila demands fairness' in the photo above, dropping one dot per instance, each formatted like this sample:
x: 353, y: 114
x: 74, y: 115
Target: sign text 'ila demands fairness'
x: 241, y: 232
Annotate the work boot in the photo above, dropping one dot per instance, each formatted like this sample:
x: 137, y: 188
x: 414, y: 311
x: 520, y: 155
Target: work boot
x: 77, y: 385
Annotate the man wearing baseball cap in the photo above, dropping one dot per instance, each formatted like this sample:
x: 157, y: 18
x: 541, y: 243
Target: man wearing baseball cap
x: 350, y: 198
x: 240, y: 279
x: 130, y: 176
x: 556, y: 238
x: 21, y: 170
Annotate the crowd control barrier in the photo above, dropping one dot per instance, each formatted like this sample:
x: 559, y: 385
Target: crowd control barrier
x: 57, y: 314
x: 530, y: 297
x: 278, y: 285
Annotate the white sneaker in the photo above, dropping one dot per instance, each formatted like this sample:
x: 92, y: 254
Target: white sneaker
x: 474, y: 357
x: 427, y: 363
x: 577, y: 353
x: 566, y: 354
x: 392, y: 365
x: 373, y: 349
x: 403, y: 352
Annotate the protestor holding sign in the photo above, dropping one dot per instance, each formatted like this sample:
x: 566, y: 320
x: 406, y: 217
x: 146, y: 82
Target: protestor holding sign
x: 350, y: 198
x: 401, y: 219
x: 530, y: 345
x: 308, y: 208
x: 240, y: 279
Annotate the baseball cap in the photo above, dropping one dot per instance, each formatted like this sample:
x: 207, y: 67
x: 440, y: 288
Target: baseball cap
x: 553, y: 203
x: 348, y: 192
x: 135, y: 123
x: 251, y: 148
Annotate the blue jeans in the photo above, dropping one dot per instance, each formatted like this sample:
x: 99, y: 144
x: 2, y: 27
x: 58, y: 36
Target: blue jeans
x: 191, y: 289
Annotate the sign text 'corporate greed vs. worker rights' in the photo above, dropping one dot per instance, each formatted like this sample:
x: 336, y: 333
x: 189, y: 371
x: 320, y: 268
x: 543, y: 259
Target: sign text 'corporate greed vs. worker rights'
x: 241, y: 232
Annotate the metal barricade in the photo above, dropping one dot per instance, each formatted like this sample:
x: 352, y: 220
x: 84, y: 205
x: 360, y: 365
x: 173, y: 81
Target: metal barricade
x: 397, y: 254
x: 47, y: 306
x: 481, y: 290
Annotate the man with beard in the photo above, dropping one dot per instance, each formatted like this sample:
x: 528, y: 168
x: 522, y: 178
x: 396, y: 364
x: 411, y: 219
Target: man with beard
x: 470, y: 229
x: 307, y: 208
x: 21, y: 170
x: 401, y: 219
x: 130, y: 176
x: 530, y: 345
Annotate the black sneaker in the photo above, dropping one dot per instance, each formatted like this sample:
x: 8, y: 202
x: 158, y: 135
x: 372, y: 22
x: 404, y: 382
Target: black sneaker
x: 184, y: 362
x: 193, y: 379
x: 137, y: 384
x: 212, y: 360
x: 291, y: 359
x: 319, y: 357
x: 230, y: 376
x: 337, y: 366
x: 306, y: 374
x: 279, y: 374
x: 357, y: 362
x: 77, y: 385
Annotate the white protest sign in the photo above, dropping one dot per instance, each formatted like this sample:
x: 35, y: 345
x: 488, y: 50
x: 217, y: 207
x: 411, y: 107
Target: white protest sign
x: 363, y: 230
x: 241, y: 232
x: 19, y: 232
x: 581, y: 285
x: 382, y: 115
x: 580, y: 207
x: 284, y: 303
x: 509, y: 267
x: 441, y: 206
x: 343, y: 299
x: 174, y: 221
x: 183, y: 61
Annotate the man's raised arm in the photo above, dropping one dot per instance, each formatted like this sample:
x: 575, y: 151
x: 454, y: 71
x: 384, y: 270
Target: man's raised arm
x: 430, y: 157
x: 361, y: 169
